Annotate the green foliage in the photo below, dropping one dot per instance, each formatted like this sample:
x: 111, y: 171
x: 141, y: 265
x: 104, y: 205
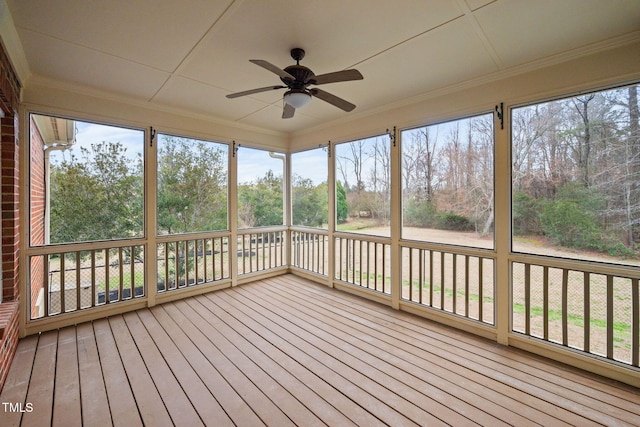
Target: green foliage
x: 260, y: 204
x: 525, y: 215
x: 192, y: 186
x: 571, y: 220
x: 309, y: 202
x: 454, y: 221
x: 419, y: 214
x: 341, y: 203
x: 424, y: 214
x: 98, y: 197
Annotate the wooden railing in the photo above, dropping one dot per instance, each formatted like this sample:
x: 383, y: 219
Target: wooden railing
x: 587, y: 307
x: 66, y: 281
x: 310, y: 251
x: 460, y: 282
x: 185, y: 262
x: 595, y: 309
x: 261, y: 250
x: 364, y: 261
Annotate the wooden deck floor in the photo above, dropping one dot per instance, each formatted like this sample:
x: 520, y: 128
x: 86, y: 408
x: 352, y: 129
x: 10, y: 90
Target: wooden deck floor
x: 285, y: 351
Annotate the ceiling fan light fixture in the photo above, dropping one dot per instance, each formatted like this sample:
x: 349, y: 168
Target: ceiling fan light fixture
x: 297, y: 99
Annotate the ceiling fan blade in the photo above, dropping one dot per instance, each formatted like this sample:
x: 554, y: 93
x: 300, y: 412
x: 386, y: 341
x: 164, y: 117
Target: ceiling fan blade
x: 252, y: 91
x: 337, y: 76
x: 269, y: 66
x: 332, y: 99
x: 288, y: 111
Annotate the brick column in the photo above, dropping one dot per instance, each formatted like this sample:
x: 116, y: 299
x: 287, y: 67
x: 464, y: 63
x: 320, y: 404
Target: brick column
x: 9, y: 205
x: 10, y: 215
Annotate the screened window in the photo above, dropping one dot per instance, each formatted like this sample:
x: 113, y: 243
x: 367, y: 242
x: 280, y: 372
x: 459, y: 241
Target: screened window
x: 86, y: 181
x: 576, y: 177
x: 192, y: 185
x: 447, y: 182
x: 363, y: 186
x: 260, y: 188
x: 309, y: 195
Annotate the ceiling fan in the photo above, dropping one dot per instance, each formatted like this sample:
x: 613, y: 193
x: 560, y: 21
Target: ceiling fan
x: 297, y: 78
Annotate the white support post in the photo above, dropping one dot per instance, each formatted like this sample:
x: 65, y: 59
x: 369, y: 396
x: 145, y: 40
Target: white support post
x: 151, y: 185
x: 502, y: 189
x: 232, y: 216
x: 331, y: 186
x: 396, y: 220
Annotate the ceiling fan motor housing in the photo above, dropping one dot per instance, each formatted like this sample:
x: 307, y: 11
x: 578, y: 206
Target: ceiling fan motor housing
x: 302, y: 75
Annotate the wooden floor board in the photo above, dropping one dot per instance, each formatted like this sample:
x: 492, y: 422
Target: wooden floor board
x: 66, y: 404
x: 352, y: 392
x: 148, y: 400
x: 412, y: 345
x: 281, y: 352
x: 198, y: 329
x: 450, y: 388
x: 285, y: 351
x: 413, y: 391
x: 206, y: 406
x: 561, y: 401
x: 392, y: 408
x: 122, y: 404
x: 40, y: 394
x: 175, y: 400
x: 252, y: 346
x: 17, y: 382
x: 227, y: 343
x: 235, y: 407
x: 95, y: 405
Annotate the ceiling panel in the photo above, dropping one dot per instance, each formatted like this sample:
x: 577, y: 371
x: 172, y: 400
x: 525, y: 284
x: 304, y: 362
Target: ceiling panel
x: 69, y: 62
x: 327, y: 30
x: 526, y: 31
x: 156, y: 33
x: 200, y: 98
x: 440, y: 58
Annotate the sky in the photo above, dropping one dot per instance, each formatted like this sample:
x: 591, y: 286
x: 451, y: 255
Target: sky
x: 91, y: 133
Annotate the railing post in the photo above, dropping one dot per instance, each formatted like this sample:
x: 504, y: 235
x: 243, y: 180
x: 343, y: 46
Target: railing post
x: 151, y: 249
x: 502, y: 209
x: 331, y: 206
x: 396, y: 220
x: 232, y: 217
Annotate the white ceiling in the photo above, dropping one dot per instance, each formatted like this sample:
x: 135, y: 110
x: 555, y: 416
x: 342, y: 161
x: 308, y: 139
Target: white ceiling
x: 190, y: 54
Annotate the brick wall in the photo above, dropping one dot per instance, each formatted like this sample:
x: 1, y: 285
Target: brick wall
x: 8, y: 337
x: 37, y: 197
x: 9, y: 205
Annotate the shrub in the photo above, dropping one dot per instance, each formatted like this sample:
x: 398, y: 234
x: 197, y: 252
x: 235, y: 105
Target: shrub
x: 571, y: 220
x: 419, y: 214
x: 526, y: 215
x: 455, y: 222
x: 341, y: 203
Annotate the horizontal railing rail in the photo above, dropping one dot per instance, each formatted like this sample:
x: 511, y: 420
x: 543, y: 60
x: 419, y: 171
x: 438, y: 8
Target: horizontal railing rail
x: 364, y: 261
x: 310, y: 250
x: 591, y: 308
x: 452, y: 280
x: 65, y: 280
x: 261, y: 249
